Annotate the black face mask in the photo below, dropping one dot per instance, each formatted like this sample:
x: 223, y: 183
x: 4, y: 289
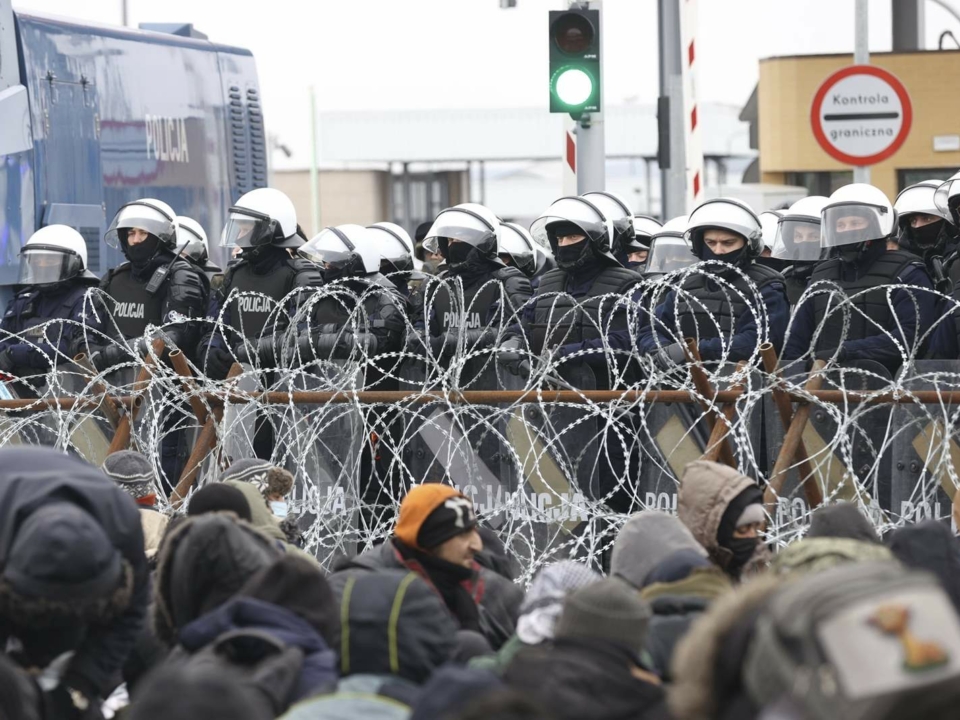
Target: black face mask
x: 926, y: 236
x: 742, y: 549
x: 570, y: 257
x: 731, y: 258
x: 851, y: 237
x: 142, y: 253
x: 635, y: 264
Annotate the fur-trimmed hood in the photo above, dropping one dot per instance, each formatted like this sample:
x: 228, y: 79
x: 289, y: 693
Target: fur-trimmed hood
x: 203, y: 562
x: 693, y: 695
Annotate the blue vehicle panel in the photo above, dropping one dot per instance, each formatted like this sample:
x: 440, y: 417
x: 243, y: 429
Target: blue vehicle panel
x: 110, y: 115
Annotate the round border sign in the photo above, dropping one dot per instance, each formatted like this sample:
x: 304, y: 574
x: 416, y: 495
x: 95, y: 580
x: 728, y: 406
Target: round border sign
x: 861, y: 105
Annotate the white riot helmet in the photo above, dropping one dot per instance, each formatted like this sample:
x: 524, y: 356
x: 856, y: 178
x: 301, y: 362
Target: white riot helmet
x: 798, y: 232
x: 53, y: 254
x: 644, y: 228
x: 919, y: 200
x: 394, y: 245
x: 576, y: 215
x: 517, y: 244
x: 468, y: 223
x: 192, y: 240
x: 947, y: 198
x: 725, y: 214
x: 261, y: 218
x: 618, y: 212
x: 343, y: 251
x: 856, y: 214
x: 669, y: 248
x: 769, y: 220
x: 153, y: 216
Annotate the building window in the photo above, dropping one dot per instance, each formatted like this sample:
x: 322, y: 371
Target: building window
x: 906, y: 178
x: 819, y: 183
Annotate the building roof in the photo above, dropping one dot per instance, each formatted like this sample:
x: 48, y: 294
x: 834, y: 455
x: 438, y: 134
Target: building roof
x: 507, y: 134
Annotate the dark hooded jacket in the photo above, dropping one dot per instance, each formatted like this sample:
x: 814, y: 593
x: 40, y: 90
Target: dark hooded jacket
x: 576, y: 679
x: 33, y: 477
x: 395, y: 634
x: 677, y: 603
x: 204, y: 562
x: 498, y: 599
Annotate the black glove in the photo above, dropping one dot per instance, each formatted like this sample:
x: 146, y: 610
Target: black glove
x: 670, y: 357
x: 510, y: 356
x: 109, y: 357
x: 217, y: 362
x: 413, y: 344
x: 443, y: 344
x: 475, y: 339
x: 262, y: 352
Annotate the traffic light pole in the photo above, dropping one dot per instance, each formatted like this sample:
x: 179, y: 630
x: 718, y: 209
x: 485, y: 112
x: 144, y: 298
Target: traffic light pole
x: 673, y: 173
x: 591, y: 145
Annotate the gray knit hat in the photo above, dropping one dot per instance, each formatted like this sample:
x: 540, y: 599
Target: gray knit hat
x: 132, y: 472
x: 647, y: 539
x: 608, y: 610
x: 269, y: 479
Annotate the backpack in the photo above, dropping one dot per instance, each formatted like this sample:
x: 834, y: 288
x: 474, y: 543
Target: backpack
x: 862, y: 640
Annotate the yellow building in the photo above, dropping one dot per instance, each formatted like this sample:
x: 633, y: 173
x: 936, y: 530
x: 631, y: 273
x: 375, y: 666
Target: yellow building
x: 791, y: 155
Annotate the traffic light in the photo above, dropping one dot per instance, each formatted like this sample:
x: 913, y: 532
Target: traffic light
x: 574, y: 61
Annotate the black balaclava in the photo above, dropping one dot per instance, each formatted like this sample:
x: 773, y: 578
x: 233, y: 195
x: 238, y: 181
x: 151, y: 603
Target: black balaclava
x: 465, y: 259
x: 742, y: 548
x: 141, y: 254
x: 856, y: 241
x: 927, y: 237
x: 731, y: 258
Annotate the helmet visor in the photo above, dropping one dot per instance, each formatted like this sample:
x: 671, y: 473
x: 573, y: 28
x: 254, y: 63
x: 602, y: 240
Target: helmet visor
x: 851, y: 223
x: 389, y: 246
x: 462, y: 226
x: 247, y: 229
x: 327, y: 250
x: 574, y: 210
x: 669, y: 253
x: 44, y: 266
x: 798, y: 239
x: 144, y: 217
x: 944, y: 193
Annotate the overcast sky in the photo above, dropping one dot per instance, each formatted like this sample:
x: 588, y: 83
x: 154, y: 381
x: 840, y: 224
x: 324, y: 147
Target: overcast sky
x: 382, y: 54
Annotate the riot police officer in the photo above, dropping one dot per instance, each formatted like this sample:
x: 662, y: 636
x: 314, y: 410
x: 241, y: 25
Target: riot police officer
x: 619, y: 214
x: 477, y: 295
x: 669, y: 249
x: 263, y: 225
x: 867, y: 316
x: 588, y: 275
x: 638, y: 249
x: 797, y: 243
x: 192, y: 244
x: 715, y: 303
x: 351, y: 267
x: 154, y: 286
x: 395, y: 247
x: 54, y: 282
x: 927, y: 231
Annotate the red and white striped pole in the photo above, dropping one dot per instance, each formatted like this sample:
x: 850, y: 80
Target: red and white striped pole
x: 569, y: 158
x: 692, y: 136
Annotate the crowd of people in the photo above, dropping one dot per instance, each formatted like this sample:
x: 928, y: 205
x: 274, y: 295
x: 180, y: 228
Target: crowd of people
x: 110, y: 608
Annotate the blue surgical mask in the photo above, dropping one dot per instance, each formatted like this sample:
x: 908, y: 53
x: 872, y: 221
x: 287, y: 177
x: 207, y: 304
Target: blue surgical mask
x: 279, y: 508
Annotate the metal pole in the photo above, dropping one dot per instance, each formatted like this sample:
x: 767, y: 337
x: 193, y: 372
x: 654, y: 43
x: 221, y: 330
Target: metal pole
x: 124, y: 13
x: 861, y: 56
x: 407, y: 200
x: 591, y: 143
x: 673, y: 180
x: 908, y: 25
x: 314, y: 166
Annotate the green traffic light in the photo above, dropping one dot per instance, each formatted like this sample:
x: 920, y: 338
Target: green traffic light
x: 574, y: 87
